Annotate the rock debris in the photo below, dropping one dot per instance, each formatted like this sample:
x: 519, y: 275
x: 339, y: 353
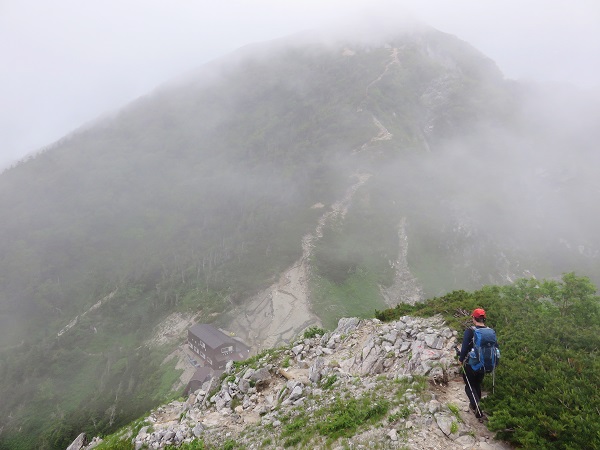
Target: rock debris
x: 407, y: 364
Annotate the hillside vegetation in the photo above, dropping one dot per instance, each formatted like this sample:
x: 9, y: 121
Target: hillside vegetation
x: 546, y: 387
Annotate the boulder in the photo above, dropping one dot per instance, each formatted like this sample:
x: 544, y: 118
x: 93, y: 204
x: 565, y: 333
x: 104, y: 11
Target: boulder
x: 261, y: 376
x: 198, y: 430
x: 315, y: 371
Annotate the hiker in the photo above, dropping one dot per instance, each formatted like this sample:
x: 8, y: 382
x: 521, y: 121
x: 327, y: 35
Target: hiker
x: 473, y: 367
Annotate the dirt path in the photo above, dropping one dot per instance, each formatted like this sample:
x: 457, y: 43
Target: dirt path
x: 281, y: 312
x: 406, y: 288
x: 384, y: 134
x: 454, y: 393
x: 393, y: 60
x: 277, y: 314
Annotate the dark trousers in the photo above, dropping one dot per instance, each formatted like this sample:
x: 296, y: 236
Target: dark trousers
x: 473, y: 380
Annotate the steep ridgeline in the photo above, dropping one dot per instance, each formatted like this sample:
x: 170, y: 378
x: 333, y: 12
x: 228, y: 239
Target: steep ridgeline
x: 325, y: 176
x: 364, y: 385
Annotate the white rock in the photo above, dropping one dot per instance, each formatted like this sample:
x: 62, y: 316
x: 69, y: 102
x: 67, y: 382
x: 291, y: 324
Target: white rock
x: 393, y: 435
x: 296, y: 393
x: 297, y: 349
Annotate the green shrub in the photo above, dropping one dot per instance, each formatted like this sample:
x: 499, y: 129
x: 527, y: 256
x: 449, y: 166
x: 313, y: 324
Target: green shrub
x: 328, y: 382
x: 230, y: 445
x: 454, y: 410
x: 196, y: 444
x: 454, y: 427
x: 344, y: 416
x: 546, y: 385
x: 403, y: 413
x: 313, y: 331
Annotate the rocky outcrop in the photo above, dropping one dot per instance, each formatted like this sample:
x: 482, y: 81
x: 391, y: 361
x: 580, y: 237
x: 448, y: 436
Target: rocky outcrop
x: 406, y: 365
x: 77, y: 443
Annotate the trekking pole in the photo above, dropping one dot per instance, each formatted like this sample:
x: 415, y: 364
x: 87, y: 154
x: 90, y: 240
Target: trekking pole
x: 472, y: 393
x: 469, y: 384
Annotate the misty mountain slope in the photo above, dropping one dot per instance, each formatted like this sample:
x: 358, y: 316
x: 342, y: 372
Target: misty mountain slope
x: 150, y: 174
x: 199, y: 196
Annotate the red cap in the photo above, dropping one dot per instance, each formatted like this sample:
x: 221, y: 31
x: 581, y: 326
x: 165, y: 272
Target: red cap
x: 477, y: 313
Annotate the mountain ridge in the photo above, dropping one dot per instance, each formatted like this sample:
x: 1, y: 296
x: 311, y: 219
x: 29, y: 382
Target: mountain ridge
x: 197, y: 197
x: 404, y: 366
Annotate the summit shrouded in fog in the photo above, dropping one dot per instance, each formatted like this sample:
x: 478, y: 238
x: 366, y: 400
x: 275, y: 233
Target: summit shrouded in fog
x: 389, y: 163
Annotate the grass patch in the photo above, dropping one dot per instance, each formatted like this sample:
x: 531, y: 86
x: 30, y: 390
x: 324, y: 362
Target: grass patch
x: 357, y: 296
x: 328, y: 382
x: 196, y: 444
x: 313, y: 332
x: 454, y: 410
x: 256, y: 361
x: 344, y: 416
x: 454, y: 427
x: 403, y: 413
x: 168, y: 378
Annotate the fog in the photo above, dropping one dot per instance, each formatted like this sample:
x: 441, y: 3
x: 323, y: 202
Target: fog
x: 199, y: 196
x: 67, y: 62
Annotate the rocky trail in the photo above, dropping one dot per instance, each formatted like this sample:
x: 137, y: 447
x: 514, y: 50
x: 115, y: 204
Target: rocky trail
x: 403, y: 372
x: 281, y: 312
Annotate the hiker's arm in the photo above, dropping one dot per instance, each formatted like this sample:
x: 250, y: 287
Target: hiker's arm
x: 466, y: 344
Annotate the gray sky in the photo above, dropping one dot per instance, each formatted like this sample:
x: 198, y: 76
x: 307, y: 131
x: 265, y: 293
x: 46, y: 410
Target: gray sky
x: 65, y: 62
